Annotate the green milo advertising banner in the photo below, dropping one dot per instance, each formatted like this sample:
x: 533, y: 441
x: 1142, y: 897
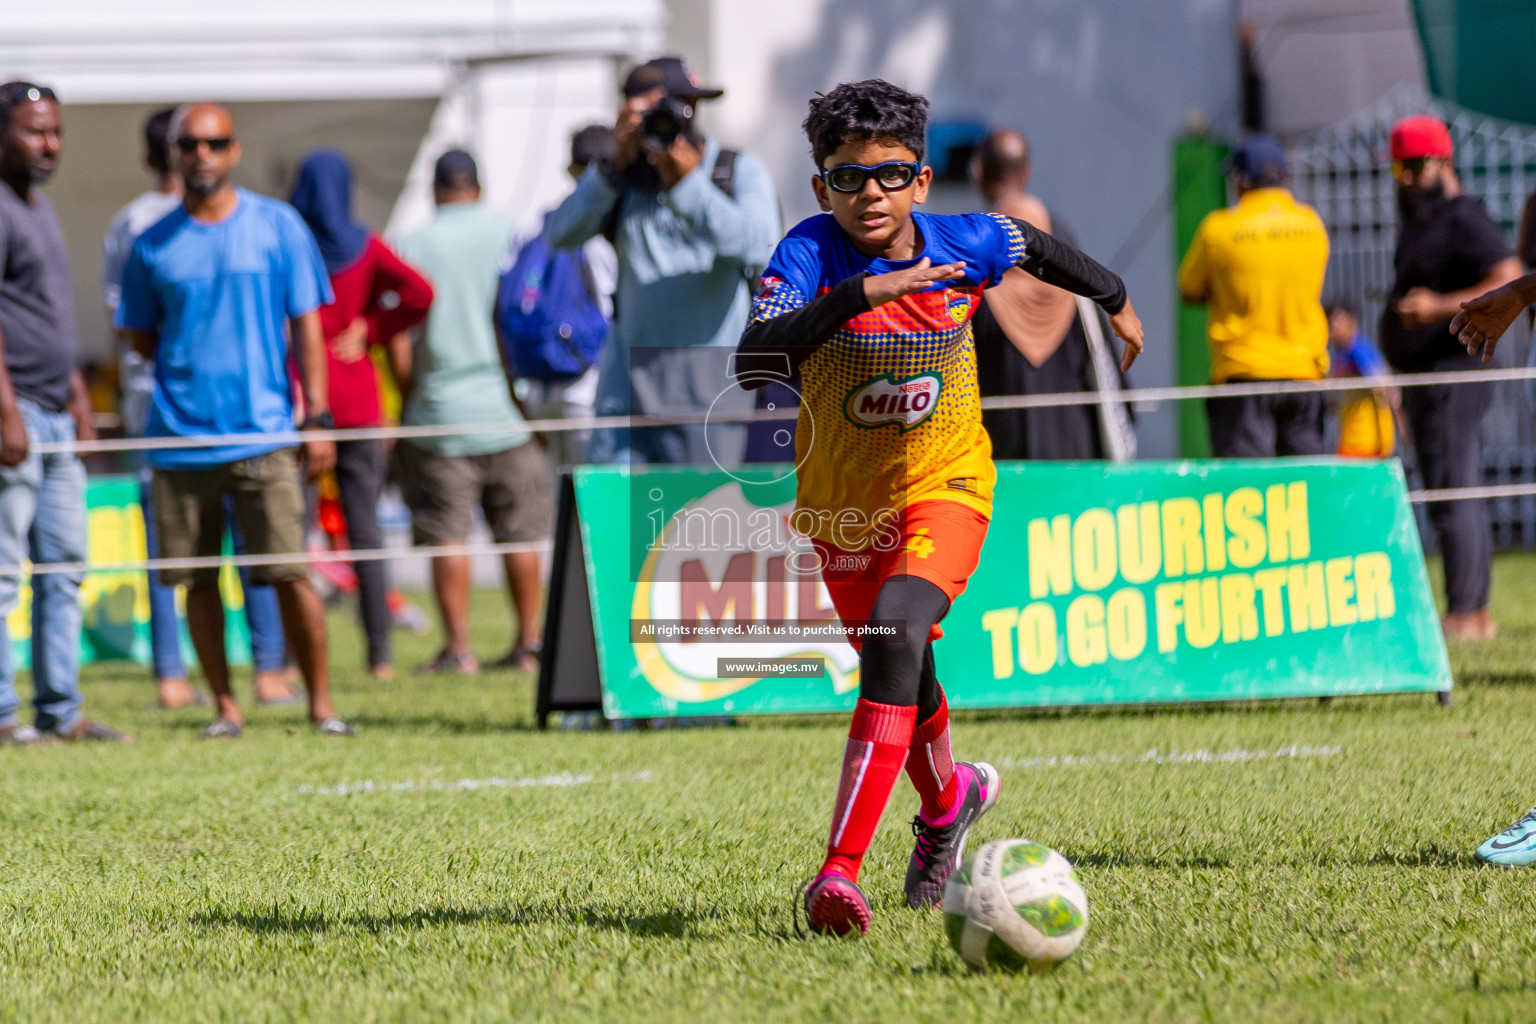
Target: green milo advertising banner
x: 684, y: 592
x: 116, y: 602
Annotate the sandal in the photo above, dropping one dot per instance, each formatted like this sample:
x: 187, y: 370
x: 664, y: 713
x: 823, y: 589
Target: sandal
x: 222, y: 729
x: 464, y: 663
x: 334, y: 727
x: 88, y: 731
x: 518, y: 659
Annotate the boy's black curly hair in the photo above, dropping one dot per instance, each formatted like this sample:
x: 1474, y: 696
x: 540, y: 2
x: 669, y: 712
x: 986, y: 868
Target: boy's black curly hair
x: 859, y: 111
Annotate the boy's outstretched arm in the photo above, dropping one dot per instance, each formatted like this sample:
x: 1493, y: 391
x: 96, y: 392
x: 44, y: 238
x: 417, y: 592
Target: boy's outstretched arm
x: 1055, y: 262
x: 798, y: 333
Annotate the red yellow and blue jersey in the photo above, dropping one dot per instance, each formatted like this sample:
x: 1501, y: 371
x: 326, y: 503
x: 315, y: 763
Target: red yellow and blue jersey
x: 890, y: 412
x: 1366, y: 428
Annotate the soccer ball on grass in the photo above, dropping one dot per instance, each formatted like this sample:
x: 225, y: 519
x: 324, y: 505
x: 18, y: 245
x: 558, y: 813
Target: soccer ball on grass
x: 1015, y: 905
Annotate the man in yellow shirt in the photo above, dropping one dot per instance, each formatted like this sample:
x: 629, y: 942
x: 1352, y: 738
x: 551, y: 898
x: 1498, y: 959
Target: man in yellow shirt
x: 1259, y: 267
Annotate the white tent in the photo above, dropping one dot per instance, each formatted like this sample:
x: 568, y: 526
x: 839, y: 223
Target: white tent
x: 388, y: 82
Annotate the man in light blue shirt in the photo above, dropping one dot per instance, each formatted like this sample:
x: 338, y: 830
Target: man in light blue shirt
x: 692, y: 231
x: 454, y: 375
x: 213, y: 293
x: 136, y: 379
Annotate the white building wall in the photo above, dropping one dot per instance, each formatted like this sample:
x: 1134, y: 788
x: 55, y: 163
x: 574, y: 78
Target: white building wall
x: 1102, y: 89
x: 517, y: 118
x: 1324, y: 60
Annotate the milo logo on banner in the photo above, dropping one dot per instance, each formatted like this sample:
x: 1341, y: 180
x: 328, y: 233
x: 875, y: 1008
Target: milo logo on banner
x: 723, y: 562
x: 1221, y: 570
x: 907, y: 401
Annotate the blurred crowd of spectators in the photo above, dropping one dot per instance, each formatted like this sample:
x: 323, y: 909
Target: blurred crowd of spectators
x: 240, y: 315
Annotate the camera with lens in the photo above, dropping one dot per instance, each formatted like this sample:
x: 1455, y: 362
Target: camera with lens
x: 665, y: 122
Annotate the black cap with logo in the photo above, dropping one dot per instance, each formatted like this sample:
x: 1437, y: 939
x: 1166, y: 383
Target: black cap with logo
x: 671, y: 74
x: 455, y: 169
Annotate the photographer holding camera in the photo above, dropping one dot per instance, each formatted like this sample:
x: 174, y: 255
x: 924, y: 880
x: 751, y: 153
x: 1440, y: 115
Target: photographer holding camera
x: 693, y: 224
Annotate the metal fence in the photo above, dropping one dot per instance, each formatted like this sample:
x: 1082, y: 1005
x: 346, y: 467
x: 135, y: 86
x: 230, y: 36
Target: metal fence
x: 1344, y: 171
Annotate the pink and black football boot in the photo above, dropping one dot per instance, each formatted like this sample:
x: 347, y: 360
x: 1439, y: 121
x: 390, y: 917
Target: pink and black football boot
x: 835, y: 906
x: 941, y: 841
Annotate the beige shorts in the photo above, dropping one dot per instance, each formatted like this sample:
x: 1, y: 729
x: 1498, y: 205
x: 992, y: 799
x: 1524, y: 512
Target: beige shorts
x: 511, y: 487
x: 269, y: 510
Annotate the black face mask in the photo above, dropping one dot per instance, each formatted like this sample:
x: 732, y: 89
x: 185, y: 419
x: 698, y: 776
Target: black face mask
x: 1416, y: 201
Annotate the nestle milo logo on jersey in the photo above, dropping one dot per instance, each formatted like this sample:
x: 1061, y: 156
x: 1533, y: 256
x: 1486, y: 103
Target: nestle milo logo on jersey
x: 905, y: 401
x: 959, y: 306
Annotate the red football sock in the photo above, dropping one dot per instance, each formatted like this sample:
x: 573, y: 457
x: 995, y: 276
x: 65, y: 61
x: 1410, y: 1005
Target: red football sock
x: 877, y: 744
x: 931, y: 766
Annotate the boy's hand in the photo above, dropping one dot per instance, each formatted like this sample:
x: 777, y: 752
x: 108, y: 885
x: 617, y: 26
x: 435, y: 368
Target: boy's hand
x: 1127, y: 327
x: 1483, y: 320
x: 883, y: 288
x: 352, y: 343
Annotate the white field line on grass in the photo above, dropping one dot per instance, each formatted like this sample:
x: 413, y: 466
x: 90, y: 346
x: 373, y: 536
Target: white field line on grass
x: 1154, y: 756
x: 563, y: 780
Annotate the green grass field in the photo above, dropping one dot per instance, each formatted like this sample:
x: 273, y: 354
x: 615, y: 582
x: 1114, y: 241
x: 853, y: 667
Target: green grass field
x: 493, y: 872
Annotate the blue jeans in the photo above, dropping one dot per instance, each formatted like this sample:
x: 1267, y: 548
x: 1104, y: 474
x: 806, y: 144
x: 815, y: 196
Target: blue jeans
x: 42, y: 516
x: 262, y: 614
x: 164, y: 626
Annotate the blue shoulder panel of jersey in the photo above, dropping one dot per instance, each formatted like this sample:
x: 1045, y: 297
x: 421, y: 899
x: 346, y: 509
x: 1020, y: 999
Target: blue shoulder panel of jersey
x: 988, y: 243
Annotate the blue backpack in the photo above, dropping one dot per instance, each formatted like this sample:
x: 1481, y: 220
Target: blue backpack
x: 547, y: 317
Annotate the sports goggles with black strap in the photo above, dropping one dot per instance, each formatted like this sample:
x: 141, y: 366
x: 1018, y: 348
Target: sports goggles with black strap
x: 892, y: 176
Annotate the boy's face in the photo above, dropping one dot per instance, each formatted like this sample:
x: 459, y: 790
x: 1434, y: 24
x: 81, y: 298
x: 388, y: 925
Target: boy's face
x: 873, y: 217
x: 1342, y: 327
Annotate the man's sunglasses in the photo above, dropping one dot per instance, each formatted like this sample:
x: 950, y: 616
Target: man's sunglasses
x: 189, y: 145
x: 892, y: 176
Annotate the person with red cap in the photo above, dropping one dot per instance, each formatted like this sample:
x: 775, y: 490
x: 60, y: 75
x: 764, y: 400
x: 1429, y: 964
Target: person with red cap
x: 1449, y: 251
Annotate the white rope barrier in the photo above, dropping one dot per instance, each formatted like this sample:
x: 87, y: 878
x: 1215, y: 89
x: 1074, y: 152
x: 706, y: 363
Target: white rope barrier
x: 1005, y: 402
x: 518, y: 547
x: 1269, y: 387
x: 999, y: 402
x: 1473, y: 493
x: 293, y: 558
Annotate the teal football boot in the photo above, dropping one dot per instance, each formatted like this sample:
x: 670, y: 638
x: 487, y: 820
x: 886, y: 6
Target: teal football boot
x: 1515, y: 847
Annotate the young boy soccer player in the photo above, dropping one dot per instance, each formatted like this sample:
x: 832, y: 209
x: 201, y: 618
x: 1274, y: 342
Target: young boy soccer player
x: 872, y: 301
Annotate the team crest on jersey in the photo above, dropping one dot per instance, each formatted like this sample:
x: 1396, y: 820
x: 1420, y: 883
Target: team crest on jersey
x: 766, y: 290
x: 959, y: 305
x: 905, y: 402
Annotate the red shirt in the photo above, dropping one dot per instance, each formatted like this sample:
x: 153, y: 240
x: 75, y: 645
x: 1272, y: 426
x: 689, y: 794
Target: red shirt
x: 372, y: 282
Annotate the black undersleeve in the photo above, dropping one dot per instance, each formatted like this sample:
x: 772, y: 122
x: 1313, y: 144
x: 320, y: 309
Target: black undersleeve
x: 774, y: 348
x: 1055, y: 262
x: 897, y: 672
